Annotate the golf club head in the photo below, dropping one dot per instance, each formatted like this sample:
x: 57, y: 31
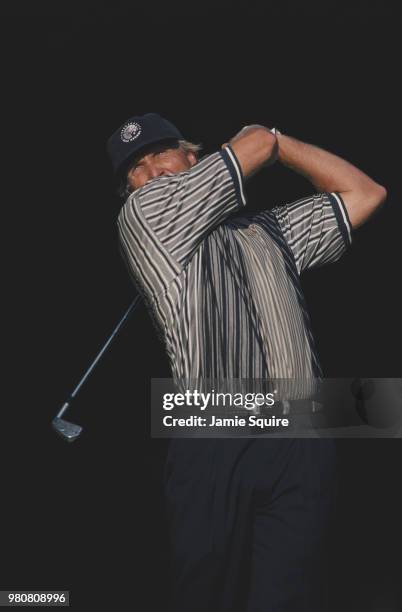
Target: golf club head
x: 68, y: 431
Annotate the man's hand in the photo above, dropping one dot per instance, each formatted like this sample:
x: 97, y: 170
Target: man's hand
x: 328, y: 172
x: 255, y: 147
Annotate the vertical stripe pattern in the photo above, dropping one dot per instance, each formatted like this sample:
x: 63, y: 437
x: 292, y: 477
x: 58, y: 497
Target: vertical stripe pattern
x: 224, y: 294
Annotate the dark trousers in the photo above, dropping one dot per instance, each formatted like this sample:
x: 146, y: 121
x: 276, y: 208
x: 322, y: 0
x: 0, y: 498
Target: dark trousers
x: 248, y: 520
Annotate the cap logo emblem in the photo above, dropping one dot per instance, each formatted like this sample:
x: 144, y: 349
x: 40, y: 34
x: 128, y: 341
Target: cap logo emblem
x: 130, y: 132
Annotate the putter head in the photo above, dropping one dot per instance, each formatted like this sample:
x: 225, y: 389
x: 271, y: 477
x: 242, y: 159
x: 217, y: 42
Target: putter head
x: 68, y: 431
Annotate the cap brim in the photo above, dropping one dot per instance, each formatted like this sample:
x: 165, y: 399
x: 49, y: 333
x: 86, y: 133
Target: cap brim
x: 122, y: 168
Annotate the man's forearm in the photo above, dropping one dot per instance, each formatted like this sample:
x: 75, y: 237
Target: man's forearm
x: 255, y: 148
x: 328, y: 172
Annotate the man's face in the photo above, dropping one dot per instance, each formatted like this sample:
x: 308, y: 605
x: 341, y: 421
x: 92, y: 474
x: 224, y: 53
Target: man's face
x: 158, y: 160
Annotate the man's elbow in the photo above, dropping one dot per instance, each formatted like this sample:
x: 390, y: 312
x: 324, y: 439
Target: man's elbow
x: 381, y: 194
x: 374, y: 199
x: 376, y: 196
x: 364, y: 202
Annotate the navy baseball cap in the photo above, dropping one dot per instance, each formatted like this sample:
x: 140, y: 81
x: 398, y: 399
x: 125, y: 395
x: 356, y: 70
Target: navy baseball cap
x: 135, y: 134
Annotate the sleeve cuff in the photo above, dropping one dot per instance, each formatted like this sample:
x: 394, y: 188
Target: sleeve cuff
x: 235, y: 171
x: 341, y: 216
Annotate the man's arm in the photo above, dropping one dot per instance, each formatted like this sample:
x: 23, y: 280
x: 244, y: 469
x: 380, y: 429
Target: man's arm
x: 328, y: 172
x: 255, y: 147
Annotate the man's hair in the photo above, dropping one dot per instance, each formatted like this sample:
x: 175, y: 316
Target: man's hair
x: 124, y: 188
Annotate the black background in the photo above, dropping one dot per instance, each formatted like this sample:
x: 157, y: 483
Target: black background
x: 89, y: 517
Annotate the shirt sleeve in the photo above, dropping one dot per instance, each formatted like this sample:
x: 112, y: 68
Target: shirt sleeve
x: 317, y: 229
x: 181, y: 209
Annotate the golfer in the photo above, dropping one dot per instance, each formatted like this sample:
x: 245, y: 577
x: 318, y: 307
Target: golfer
x: 247, y: 517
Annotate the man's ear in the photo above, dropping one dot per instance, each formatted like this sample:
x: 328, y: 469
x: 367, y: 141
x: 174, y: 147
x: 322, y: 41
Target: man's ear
x: 191, y: 158
x: 129, y: 176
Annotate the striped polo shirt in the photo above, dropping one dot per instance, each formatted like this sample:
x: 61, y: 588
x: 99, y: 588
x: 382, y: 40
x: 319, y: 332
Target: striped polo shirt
x: 224, y: 293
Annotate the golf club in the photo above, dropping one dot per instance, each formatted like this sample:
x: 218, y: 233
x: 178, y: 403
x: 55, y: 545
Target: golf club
x: 70, y: 431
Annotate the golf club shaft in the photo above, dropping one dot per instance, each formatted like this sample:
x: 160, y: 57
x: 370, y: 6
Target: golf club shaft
x: 98, y: 356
